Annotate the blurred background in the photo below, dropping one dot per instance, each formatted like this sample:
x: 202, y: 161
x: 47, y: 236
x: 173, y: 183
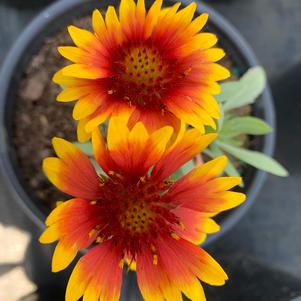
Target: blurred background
x: 262, y: 253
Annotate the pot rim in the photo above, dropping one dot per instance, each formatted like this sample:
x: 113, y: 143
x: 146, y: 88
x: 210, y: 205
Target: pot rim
x: 46, y: 17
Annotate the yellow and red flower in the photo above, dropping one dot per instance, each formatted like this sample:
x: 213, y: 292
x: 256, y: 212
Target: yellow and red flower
x: 155, y: 66
x: 134, y: 213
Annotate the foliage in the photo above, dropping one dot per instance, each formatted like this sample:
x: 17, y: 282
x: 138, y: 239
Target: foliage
x: 232, y: 127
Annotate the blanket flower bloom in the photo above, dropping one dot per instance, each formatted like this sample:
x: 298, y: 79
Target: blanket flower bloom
x: 134, y: 214
x: 155, y: 66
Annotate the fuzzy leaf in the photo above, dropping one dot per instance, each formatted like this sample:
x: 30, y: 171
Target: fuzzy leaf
x: 98, y: 169
x: 255, y: 159
x: 245, y: 91
x: 221, y: 120
x: 187, y: 167
x: 238, y: 125
x: 86, y: 148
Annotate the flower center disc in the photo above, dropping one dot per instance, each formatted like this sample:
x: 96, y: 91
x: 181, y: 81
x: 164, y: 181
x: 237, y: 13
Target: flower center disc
x: 136, y: 219
x: 133, y: 213
x: 141, y: 76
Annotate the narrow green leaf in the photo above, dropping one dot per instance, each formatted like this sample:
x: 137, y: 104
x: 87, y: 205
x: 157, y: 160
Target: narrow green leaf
x: 221, y: 120
x: 86, y: 148
x: 244, y: 91
x: 177, y: 174
x: 98, y: 169
x: 209, y: 153
x: 256, y: 159
x: 244, y: 125
x: 187, y: 167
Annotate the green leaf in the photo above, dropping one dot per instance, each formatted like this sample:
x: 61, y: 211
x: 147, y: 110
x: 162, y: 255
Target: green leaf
x: 187, y: 167
x: 244, y: 91
x: 98, y: 169
x: 222, y: 118
x: 209, y: 153
x: 254, y: 158
x: 244, y: 125
x: 86, y: 148
x: 228, y: 90
x: 233, y: 141
x: 177, y: 174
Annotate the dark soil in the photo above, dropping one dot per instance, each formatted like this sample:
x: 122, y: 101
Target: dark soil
x: 39, y: 117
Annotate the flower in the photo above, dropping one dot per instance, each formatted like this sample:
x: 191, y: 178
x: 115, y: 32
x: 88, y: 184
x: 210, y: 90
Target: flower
x: 134, y: 213
x: 155, y: 66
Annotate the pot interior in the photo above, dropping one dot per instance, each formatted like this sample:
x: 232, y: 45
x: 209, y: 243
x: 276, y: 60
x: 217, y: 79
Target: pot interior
x: 66, y: 18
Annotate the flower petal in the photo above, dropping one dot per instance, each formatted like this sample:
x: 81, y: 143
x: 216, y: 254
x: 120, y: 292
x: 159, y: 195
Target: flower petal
x: 98, y: 117
x: 72, y: 93
x: 128, y: 147
x: 191, y: 112
x: 86, y: 106
x: 200, y: 191
x: 73, y: 234
x: 67, y: 81
x: 118, y: 133
x: 196, y: 25
x: 98, y: 23
x: 213, y: 72
x: 82, y: 135
x: 101, y: 154
x: 73, y: 173
x: 50, y: 235
x: 180, y: 264
x: 194, y: 225
x: 152, y: 18
x: 171, y: 25
x: 62, y: 257
x: 197, y: 42
x: 213, y: 55
x: 209, y: 104
x: 82, y: 38
x: 85, y: 71
x: 207, y: 171
x: 97, y: 275
x: 162, y: 31
x: 140, y: 14
x: 189, y: 146
x: 127, y: 17
x: 224, y: 183
x: 156, y: 146
x: 113, y: 27
x: 205, y: 267
x: 73, y: 54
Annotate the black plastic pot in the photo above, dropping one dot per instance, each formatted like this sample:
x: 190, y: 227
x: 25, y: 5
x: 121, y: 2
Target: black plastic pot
x: 58, y: 16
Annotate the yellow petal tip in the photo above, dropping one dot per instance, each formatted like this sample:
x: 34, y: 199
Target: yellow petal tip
x: 56, y: 141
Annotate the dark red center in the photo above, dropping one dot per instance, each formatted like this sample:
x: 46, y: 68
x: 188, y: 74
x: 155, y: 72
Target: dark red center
x: 133, y: 214
x: 142, y: 75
